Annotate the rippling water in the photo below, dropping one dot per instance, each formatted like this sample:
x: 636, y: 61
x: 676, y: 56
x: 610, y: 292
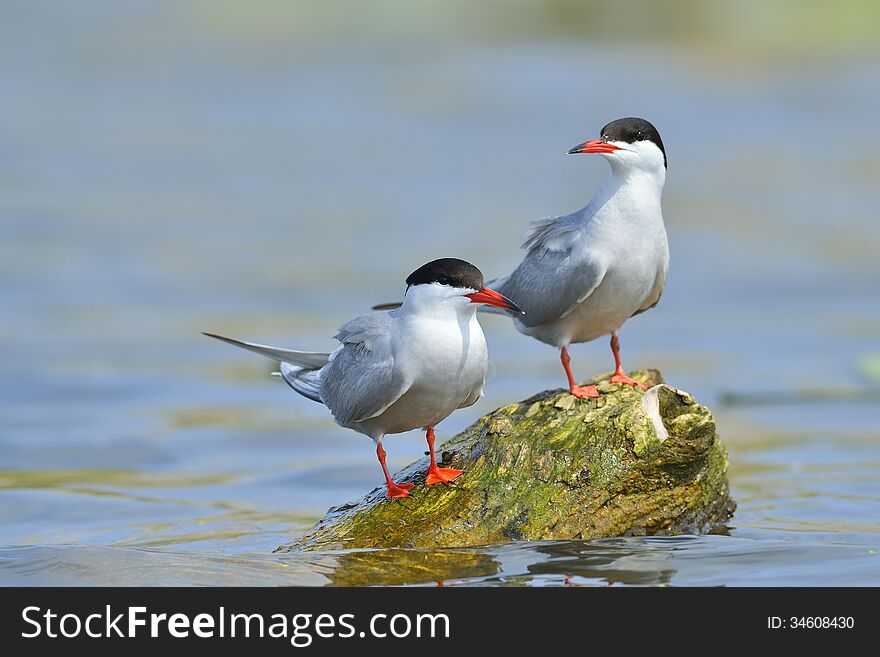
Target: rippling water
x: 165, y: 171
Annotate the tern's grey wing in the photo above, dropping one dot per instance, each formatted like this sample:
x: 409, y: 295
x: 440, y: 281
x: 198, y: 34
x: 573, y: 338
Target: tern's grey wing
x: 472, y: 398
x: 656, y: 291
x: 548, y: 285
x: 369, y: 329
x: 361, y: 381
x: 304, y: 381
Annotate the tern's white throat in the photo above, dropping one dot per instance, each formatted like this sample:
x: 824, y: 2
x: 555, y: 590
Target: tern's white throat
x: 639, y: 167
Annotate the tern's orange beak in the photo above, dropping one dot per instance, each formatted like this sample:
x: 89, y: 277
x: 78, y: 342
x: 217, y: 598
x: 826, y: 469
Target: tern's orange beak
x: 493, y: 298
x: 594, y: 146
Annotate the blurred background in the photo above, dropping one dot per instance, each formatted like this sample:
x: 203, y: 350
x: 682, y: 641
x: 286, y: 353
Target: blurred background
x: 269, y: 169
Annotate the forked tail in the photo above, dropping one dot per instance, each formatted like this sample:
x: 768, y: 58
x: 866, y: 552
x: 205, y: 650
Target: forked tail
x: 300, y: 369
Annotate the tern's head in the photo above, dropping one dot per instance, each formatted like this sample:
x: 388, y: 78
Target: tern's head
x: 629, y: 144
x: 450, y: 281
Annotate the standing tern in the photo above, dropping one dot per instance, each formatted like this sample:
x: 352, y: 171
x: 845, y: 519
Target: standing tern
x: 586, y: 273
x: 405, y: 369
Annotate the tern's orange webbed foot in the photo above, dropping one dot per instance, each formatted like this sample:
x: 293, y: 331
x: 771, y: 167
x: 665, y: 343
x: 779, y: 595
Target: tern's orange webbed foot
x: 581, y: 392
x: 585, y: 392
x: 436, y: 474
x: 439, y: 475
x: 396, y: 491
x: 620, y: 377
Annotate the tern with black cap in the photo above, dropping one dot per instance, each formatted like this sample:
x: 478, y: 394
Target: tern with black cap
x: 586, y: 273
x: 405, y: 369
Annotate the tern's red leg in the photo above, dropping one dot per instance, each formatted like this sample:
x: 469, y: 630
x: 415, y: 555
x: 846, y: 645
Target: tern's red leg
x: 394, y: 490
x: 619, y: 376
x: 581, y: 392
x: 437, y: 475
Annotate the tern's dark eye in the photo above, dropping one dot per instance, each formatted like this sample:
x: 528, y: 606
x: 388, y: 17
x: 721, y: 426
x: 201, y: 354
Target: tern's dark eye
x: 443, y: 279
x: 641, y: 136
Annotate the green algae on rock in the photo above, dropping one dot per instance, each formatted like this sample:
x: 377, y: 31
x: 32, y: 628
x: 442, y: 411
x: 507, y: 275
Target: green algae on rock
x: 554, y: 467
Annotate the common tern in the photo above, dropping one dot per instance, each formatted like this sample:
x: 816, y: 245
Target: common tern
x: 586, y: 273
x: 405, y: 369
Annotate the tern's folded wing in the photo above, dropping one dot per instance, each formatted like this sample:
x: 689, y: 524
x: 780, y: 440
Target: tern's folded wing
x: 361, y: 381
x: 548, y: 285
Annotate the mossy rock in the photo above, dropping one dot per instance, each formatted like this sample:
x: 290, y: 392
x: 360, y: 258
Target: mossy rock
x: 554, y: 467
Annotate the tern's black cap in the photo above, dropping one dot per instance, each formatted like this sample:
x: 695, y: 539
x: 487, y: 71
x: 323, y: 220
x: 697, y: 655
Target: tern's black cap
x: 633, y: 129
x: 448, y: 271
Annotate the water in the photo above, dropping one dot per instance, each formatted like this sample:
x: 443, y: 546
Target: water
x: 167, y: 169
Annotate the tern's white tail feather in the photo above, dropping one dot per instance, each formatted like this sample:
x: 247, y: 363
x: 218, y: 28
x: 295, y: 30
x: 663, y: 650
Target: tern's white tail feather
x: 311, y: 360
x: 305, y: 381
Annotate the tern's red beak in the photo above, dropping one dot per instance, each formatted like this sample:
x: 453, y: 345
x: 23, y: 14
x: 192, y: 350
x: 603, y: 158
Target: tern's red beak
x: 493, y: 298
x: 594, y: 146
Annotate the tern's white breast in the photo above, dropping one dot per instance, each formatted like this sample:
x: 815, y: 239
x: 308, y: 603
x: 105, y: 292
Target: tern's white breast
x: 445, y: 357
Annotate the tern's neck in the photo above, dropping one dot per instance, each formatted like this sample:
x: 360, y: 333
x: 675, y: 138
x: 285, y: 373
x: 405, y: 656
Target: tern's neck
x: 629, y: 188
x: 649, y: 179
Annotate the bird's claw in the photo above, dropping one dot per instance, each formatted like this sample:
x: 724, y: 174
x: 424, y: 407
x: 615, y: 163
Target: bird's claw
x: 441, y: 476
x: 585, y: 392
x: 397, y: 491
x: 623, y: 378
